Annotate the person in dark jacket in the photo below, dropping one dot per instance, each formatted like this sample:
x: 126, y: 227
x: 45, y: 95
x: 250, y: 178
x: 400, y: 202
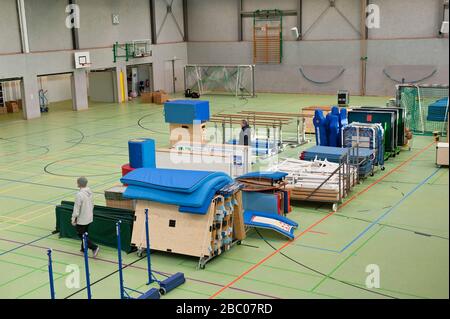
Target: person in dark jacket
x: 245, y: 134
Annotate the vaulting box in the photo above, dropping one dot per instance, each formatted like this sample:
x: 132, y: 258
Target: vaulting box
x: 190, y: 133
x: 199, y: 235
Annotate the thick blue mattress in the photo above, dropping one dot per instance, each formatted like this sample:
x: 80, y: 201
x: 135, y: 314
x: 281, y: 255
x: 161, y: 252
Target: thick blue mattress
x: 169, y: 179
x: 192, y: 191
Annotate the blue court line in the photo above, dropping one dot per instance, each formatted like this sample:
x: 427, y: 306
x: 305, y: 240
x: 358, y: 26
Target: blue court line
x: 23, y: 245
x: 376, y: 221
x: 390, y: 210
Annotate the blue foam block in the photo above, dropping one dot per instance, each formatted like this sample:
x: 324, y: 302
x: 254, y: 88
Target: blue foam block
x: 153, y: 293
x: 142, y: 153
x: 172, y: 282
x: 186, y: 111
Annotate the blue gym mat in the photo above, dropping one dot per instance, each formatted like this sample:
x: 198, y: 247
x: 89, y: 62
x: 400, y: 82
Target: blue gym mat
x: 275, y: 222
x: 265, y: 175
x: 169, y: 179
x: 437, y: 111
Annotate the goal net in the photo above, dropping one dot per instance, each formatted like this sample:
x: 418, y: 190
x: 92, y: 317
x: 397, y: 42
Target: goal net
x: 238, y: 80
x: 426, y: 107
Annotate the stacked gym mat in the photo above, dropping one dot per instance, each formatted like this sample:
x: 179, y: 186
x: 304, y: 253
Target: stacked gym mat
x: 437, y: 111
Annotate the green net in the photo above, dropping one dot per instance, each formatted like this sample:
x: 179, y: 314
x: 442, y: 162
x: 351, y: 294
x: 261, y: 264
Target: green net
x: 421, y: 104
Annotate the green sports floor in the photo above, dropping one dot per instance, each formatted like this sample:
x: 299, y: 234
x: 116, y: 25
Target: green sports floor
x: 397, y: 219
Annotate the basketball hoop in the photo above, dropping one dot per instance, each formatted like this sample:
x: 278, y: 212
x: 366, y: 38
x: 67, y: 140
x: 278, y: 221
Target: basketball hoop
x: 82, y: 60
x: 85, y: 65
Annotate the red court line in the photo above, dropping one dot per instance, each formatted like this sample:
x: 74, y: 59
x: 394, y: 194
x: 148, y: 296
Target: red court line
x: 262, y: 261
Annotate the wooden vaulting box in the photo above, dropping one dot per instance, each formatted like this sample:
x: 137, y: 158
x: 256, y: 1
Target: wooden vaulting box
x: 202, y: 236
x: 190, y: 133
x: 171, y: 230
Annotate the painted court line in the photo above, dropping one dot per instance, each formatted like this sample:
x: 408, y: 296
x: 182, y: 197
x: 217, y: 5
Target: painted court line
x: 25, y: 244
x: 262, y: 261
x: 389, y: 211
x: 376, y: 221
x: 132, y: 266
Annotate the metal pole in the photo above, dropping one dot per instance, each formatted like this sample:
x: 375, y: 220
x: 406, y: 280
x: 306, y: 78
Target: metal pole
x: 147, y: 239
x: 173, y: 75
x: 50, y: 274
x: 86, y: 265
x: 153, y: 22
x: 119, y: 255
x: 240, y: 35
x: 363, y: 46
x: 185, y: 81
x: 75, y: 37
x: 299, y: 19
x: 223, y: 131
x: 185, y: 21
x: 253, y: 81
x: 23, y: 26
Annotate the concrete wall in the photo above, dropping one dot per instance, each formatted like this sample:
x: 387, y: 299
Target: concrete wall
x: 408, y: 18
x: 10, y: 39
x: 407, y: 38
x: 97, y: 28
x: 46, y: 25
x: 206, y: 20
x: 51, y: 42
x: 168, y: 25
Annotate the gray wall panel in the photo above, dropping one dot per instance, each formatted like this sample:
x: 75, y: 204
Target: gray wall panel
x: 97, y: 29
x: 212, y: 20
x: 46, y: 21
x: 169, y: 30
x: 407, y: 18
x: 9, y: 24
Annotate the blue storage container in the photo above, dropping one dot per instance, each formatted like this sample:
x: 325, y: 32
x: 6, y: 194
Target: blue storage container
x: 186, y: 111
x: 142, y: 153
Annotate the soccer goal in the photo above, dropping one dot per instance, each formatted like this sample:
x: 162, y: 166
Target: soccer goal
x: 238, y: 80
x: 426, y: 107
